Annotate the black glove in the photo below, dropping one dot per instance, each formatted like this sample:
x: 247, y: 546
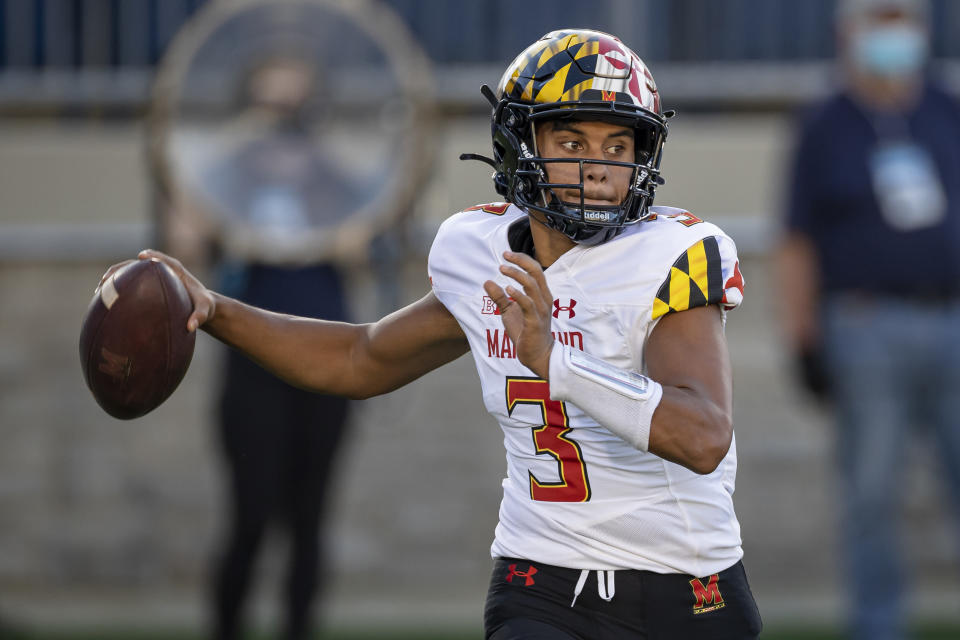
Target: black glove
x: 812, y: 371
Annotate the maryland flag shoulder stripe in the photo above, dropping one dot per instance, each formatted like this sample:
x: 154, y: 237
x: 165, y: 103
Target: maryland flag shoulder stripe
x: 496, y: 208
x: 695, y: 280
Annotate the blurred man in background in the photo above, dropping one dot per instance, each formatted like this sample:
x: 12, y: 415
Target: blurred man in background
x: 871, y: 266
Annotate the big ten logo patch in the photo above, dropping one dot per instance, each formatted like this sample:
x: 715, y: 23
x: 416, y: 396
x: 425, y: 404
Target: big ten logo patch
x: 489, y: 307
x: 708, y: 597
x: 526, y: 576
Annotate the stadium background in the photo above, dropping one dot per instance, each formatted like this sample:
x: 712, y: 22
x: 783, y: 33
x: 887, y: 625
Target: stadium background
x: 108, y: 525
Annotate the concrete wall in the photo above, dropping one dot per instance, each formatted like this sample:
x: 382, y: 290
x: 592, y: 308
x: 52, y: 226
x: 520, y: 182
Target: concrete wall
x: 108, y: 522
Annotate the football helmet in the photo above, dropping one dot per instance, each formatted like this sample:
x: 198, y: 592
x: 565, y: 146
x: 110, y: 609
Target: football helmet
x: 575, y: 74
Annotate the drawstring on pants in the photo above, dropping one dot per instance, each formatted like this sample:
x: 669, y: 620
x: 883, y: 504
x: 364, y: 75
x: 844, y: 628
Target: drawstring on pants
x: 605, y: 585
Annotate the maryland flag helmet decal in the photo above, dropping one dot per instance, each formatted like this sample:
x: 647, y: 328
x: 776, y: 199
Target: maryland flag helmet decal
x: 572, y: 65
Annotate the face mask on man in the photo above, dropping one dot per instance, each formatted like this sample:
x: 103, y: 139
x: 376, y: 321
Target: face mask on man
x: 892, y: 51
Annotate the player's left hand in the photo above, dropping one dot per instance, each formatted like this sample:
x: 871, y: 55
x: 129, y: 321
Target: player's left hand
x: 526, y: 311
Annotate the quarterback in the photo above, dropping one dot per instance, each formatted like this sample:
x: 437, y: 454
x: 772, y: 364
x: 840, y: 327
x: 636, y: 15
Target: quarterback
x: 596, y: 323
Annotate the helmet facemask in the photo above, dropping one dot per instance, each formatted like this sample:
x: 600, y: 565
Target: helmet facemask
x: 583, y: 222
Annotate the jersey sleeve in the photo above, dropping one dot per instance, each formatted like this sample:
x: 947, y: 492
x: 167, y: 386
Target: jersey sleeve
x: 461, y: 256
x: 706, y: 273
x: 442, y: 279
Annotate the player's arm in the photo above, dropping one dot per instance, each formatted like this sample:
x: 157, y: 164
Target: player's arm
x: 356, y: 361
x: 682, y: 412
x: 687, y: 355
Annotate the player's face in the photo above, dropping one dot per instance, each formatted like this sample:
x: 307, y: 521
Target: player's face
x: 603, y: 184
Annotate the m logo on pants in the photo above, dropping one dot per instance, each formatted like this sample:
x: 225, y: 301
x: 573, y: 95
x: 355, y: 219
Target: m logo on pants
x: 705, y: 595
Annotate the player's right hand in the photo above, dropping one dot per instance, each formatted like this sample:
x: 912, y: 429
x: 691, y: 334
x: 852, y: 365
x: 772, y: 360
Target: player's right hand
x: 204, y: 304
x: 525, y: 312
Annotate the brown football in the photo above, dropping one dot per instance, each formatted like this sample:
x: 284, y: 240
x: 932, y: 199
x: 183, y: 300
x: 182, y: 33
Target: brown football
x: 134, y: 343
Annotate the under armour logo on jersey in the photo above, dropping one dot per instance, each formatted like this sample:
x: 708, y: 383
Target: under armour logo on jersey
x: 569, y: 308
x: 528, y: 574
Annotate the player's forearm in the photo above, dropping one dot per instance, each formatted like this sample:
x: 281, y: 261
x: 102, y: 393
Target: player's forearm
x: 690, y: 430
x: 310, y: 354
x: 357, y: 361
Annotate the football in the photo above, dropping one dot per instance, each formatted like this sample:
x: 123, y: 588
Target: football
x: 134, y: 343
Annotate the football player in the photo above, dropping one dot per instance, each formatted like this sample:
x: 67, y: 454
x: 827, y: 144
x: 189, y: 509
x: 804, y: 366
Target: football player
x: 596, y: 323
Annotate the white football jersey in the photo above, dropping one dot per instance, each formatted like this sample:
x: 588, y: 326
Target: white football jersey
x: 575, y: 494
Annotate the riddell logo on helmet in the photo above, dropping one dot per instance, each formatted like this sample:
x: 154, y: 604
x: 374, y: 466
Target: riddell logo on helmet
x: 597, y: 216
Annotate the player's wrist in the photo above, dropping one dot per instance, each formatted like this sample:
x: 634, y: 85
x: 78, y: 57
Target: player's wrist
x: 220, y: 310
x: 542, y: 364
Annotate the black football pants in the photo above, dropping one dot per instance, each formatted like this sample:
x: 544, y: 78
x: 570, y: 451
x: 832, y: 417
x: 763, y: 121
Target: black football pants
x: 534, y: 601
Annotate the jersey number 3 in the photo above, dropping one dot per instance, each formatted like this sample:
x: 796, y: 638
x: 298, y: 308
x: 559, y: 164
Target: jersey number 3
x: 551, y: 439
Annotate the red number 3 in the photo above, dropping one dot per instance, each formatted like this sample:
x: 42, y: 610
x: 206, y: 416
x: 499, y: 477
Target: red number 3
x: 551, y: 439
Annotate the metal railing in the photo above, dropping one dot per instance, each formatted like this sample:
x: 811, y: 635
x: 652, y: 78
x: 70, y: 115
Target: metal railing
x: 64, y: 54
x: 98, y: 57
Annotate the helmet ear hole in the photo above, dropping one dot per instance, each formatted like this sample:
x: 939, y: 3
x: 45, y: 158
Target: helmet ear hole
x: 498, y: 151
x: 515, y: 120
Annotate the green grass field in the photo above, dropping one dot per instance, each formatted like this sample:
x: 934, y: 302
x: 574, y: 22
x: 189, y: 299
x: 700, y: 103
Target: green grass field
x: 922, y: 633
